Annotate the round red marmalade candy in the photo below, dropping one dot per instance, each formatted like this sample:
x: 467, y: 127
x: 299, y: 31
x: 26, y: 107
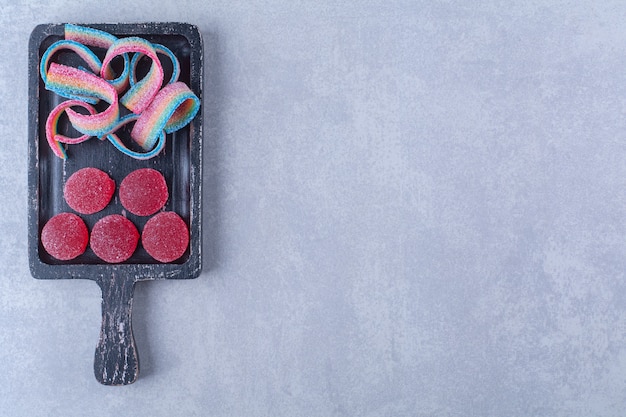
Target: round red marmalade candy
x: 143, y: 192
x: 165, y: 236
x: 65, y: 236
x: 114, y: 238
x: 88, y: 190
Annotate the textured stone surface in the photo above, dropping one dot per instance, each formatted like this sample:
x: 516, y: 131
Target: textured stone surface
x: 411, y: 208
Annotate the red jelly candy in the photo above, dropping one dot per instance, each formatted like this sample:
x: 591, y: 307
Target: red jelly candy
x: 88, y: 190
x: 165, y: 236
x: 65, y: 236
x: 114, y: 238
x: 143, y: 192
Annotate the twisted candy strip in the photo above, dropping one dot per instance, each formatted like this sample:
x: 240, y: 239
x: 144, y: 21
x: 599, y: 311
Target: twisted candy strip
x: 81, y: 50
x: 139, y: 96
x: 115, y: 140
x: 172, y: 108
x: 54, y: 138
x: 82, y: 83
x: 89, y: 36
x: 160, y: 49
x: 157, y: 110
x: 99, y: 39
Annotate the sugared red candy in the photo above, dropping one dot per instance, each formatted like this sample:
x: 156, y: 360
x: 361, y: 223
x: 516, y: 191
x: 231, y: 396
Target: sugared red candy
x: 143, y: 192
x: 165, y: 236
x: 88, y: 190
x: 114, y: 238
x: 65, y: 236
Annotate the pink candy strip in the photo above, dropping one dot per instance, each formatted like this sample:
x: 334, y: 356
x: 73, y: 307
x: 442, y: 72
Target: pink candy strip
x: 161, y: 50
x: 99, y: 39
x: 172, y: 108
x: 89, y: 36
x: 115, y: 140
x: 85, y: 53
x: 54, y: 138
x: 81, y: 50
x: 157, y: 110
x: 141, y: 94
x: 85, y: 84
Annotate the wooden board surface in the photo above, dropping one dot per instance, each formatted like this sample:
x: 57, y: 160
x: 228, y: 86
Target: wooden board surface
x: 116, y: 360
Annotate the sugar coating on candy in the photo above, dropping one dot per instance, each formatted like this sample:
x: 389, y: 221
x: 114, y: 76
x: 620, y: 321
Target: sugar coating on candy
x: 53, y: 137
x: 114, y: 238
x: 139, y: 96
x: 62, y: 78
x: 90, y: 58
x: 143, y: 192
x: 167, y: 109
x: 88, y: 190
x: 119, y: 144
x: 65, y: 236
x: 100, y: 39
x: 172, y: 108
x: 165, y: 236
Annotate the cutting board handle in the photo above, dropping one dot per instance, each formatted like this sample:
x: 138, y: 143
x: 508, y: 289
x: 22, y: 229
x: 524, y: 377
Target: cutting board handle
x: 116, y: 361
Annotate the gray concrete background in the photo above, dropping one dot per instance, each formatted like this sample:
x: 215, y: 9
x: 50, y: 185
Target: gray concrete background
x: 411, y: 209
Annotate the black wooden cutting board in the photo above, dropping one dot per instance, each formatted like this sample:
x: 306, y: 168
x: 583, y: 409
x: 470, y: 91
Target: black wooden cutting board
x: 116, y: 359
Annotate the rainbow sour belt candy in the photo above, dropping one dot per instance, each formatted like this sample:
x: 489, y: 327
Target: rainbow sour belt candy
x: 81, y: 50
x: 160, y: 49
x: 99, y: 39
x: 141, y: 93
x: 172, y: 108
x: 156, y: 109
x: 82, y: 83
x: 54, y: 138
x: 115, y: 140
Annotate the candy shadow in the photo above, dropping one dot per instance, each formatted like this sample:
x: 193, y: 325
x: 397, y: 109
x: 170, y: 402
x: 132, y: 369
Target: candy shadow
x: 212, y: 106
